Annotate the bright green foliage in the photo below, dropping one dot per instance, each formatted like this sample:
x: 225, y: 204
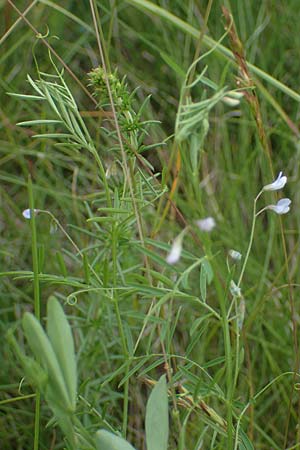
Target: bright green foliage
x: 118, y: 88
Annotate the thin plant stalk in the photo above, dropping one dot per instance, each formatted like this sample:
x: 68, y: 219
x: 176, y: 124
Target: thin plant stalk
x: 37, y: 306
x: 255, y: 214
x: 55, y: 220
x: 228, y: 361
x: 121, y: 330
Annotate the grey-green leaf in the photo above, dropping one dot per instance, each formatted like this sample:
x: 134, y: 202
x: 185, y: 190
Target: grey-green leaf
x: 203, y: 278
x: 44, y: 353
x: 105, y: 440
x: 33, y: 370
x: 60, y: 335
x: 157, y: 417
x: 245, y: 443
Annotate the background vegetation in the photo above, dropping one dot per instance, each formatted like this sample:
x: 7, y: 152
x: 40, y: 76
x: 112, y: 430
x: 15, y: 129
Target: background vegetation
x: 121, y: 183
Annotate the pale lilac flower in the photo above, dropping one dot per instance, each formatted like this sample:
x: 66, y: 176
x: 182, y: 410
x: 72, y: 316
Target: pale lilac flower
x: 237, y: 256
x: 175, y: 252
x: 27, y: 213
x: 282, y: 206
x: 207, y: 224
x: 279, y: 183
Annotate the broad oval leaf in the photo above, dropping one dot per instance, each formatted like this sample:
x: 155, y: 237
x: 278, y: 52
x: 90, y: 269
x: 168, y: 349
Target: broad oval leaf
x: 157, y: 417
x: 60, y: 335
x: 43, y: 351
x: 105, y: 440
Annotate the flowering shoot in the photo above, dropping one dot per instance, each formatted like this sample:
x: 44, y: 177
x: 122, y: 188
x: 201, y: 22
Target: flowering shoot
x: 282, y: 206
x: 27, y: 213
x: 277, y: 184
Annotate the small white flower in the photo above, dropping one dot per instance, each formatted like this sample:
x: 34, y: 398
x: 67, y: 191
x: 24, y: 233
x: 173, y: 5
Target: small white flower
x: 176, y: 249
x: 282, y: 206
x: 207, y: 224
x: 233, y: 98
x: 27, y: 213
x: 237, y: 256
x: 279, y: 183
x: 230, y: 101
x: 235, y: 290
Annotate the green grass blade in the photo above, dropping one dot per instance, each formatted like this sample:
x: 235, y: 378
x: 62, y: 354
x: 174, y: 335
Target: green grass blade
x: 209, y: 42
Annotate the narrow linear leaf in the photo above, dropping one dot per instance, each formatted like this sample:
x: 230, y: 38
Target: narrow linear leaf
x: 203, y: 277
x: 29, y: 123
x: 245, y: 443
x: 25, y: 96
x: 54, y: 135
x: 208, y: 269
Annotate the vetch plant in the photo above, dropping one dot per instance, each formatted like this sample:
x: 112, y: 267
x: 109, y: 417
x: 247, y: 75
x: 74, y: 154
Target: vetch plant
x: 235, y: 255
x: 277, y: 184
x: 27, y: 213
x: 53, y: 371
x: 238, y: 301
x: 282, y: 207
x: 143, y: 303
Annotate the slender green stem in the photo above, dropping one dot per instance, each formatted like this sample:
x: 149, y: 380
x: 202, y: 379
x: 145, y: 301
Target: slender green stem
x: 250, y: 240
x: 228, y: 360
x: 37, y: 307
x: 55, y: 220
x: 103, y: 177
x: 37, y: 421
x: 121, y: 329
x: 237, y: 343
x: 231, y: 379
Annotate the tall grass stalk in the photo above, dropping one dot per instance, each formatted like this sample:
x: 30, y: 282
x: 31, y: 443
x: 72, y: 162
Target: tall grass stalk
x: 37, y: 301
